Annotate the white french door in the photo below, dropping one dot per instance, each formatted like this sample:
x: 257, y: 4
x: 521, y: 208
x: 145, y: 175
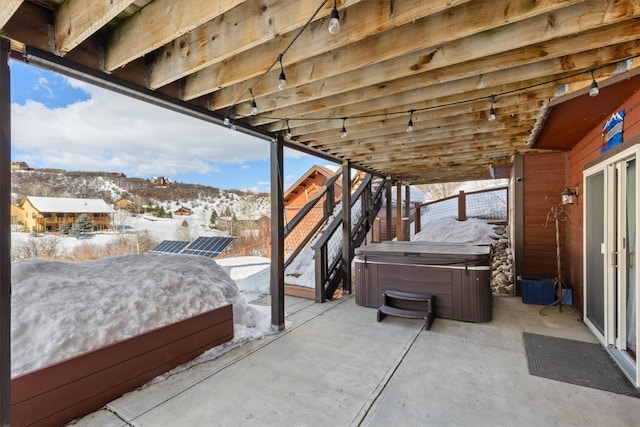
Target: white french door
x: 610, y: 279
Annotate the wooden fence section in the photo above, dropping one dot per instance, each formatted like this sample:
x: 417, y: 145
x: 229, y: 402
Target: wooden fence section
x: 59, y: 393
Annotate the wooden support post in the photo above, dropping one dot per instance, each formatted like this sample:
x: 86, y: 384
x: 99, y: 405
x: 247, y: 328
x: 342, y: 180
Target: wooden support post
x: 462, y: 206
x: 399, y: 211
x: 417, y: 222
x: 277, y: 235
x: 405, y: 229
x: 5, y: 235
x: 407, y: 201
x: 347, y: 243
x: 387, y: 232
x: 377, y: 230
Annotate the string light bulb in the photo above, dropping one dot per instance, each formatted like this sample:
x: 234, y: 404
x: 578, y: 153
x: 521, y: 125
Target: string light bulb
x: 334, y: 22
x: 593, y: 91
x: 492, y: 111
x: 282, y: 81
x: 343, y: 131
x: 254, y: 106
x: 410, y: 124
x: 227, y: 121
x: 288, y: 134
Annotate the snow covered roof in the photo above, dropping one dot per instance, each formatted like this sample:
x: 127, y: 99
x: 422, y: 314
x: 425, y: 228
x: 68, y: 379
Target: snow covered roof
x: 68, y: 204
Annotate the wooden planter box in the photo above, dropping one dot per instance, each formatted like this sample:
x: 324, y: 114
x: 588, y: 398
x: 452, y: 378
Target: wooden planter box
x: 300, y: 291
x: 59, y: 393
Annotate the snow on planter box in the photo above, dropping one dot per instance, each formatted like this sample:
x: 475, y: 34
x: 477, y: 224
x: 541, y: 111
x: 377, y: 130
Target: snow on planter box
x: 75, y: 324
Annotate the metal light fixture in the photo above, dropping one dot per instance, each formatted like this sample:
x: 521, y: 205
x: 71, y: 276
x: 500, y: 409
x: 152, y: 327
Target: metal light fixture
x: 567, y: 195
x: 254, y: 106
x: 410, y: 124
x: 593, y: 91
x: 492, y: 111
x: 282, y: 81
x: 343, y: 131
x: 334, y: 22
x: 288, y: 133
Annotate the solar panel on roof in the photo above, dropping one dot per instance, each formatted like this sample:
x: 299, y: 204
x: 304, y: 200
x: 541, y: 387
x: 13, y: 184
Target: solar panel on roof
x: 208, y: 246
x: 169, y: 247
x: 202, y: 246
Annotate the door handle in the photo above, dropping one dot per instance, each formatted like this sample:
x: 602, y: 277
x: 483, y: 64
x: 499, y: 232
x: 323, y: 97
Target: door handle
x: 629, y: 259
x: 614, y: 259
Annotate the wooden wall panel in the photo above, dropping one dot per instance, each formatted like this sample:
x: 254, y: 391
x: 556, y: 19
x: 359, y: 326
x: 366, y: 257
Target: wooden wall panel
x: 544, y: 180
x: 584, y: 153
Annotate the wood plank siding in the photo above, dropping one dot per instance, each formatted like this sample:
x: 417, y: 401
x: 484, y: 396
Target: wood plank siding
x: 543, y: 177
x: 583, y: 154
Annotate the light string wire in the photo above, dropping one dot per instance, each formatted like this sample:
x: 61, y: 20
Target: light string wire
x: 435, y: 107
x: 278, y: 58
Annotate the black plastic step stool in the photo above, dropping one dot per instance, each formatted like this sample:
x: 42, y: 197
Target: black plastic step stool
x: 397, y: 303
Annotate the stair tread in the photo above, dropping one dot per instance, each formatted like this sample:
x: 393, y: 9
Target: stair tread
x: 401, y: 312
x: 409, y: 296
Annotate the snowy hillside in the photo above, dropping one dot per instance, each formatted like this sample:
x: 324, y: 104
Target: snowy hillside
x: 111, y: 187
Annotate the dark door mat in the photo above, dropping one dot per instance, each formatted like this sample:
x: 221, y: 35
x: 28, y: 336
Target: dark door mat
x: 575, y: 362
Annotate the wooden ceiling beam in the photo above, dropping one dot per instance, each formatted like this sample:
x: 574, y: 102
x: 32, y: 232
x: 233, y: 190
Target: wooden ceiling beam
x: 507, y: 46
x: 530, y: 90
x: 467, y: 139
x: 217, y: 40
x: 509, y: 104
x: 157, y: 24
x: 398, y: 126
x: 562, y: 69
x: 77, y: 20
x: 7, y: 9
x: 380, y: 16
x: 436, y: 148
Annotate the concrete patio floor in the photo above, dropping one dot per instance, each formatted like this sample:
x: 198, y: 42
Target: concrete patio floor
x: 335, y: 365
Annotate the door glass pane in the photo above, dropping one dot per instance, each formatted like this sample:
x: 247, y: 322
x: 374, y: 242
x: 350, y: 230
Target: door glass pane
x: 594, y: 257
x: 631, y: 249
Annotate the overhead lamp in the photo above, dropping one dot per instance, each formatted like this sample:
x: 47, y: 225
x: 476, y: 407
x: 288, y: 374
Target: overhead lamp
x: 254, y: 106
x: 593, y: 91
x: 343, y: 131
x: 282, y: 81
x: 410, y: 124
x: 288, y: 134
x: 567, y: 195
x: 227, y: 121
x: 492, y: 111
x: 334, y: 22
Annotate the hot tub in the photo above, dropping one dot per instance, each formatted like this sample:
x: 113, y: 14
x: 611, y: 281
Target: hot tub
x: 458, y: 275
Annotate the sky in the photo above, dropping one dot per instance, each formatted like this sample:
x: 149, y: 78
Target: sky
x: 62, y: 123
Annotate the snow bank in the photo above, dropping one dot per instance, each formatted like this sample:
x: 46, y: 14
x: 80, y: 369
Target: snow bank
x: 451, y: 230
x: 63, y: 309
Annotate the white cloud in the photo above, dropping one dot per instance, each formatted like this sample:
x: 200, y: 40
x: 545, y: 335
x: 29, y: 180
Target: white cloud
x: 42, y: 83
x: 113, y: 132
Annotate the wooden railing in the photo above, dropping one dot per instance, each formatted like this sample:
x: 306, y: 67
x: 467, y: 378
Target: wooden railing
x: 305, y: 225
x: 467, y: 208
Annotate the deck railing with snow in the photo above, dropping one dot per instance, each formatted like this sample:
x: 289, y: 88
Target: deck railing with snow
x: 489, y: 204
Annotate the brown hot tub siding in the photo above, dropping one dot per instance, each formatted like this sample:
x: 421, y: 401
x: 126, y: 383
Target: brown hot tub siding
x: 461, y: 292
x: 59, y: 393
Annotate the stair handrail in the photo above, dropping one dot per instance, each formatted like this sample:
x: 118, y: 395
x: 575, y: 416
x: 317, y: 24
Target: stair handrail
x: 328, y: 270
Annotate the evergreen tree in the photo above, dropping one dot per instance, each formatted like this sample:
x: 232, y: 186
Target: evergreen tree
x: 81, y: 226
x: 64, y: 228
x: 214, y: 217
